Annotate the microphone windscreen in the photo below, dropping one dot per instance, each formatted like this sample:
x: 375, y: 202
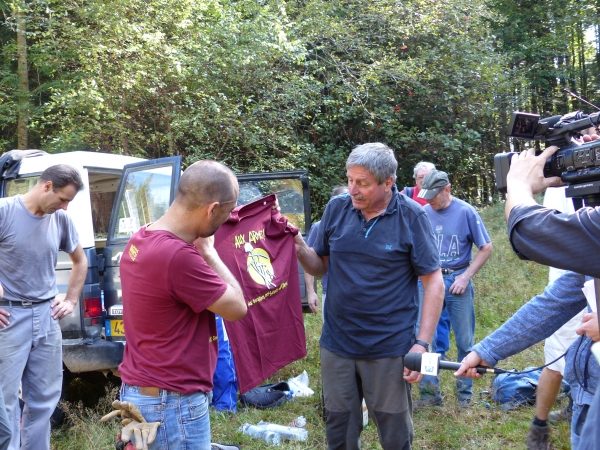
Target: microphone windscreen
x: 412, y: 361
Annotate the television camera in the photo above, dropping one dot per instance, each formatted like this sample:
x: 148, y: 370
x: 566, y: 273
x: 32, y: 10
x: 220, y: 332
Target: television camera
x: 578, y: 165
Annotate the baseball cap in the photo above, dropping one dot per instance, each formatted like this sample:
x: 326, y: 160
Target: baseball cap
x: 432, y: 183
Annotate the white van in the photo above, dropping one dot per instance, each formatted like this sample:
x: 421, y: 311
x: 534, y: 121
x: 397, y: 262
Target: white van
x: 121, y: 194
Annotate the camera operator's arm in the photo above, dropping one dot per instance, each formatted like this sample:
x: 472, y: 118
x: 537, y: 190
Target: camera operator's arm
x: 533, y: 322
x: 526, y: 178
x: 565, y: 241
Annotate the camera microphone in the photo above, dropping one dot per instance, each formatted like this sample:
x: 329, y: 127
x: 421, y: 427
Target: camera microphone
x: 430, y: 363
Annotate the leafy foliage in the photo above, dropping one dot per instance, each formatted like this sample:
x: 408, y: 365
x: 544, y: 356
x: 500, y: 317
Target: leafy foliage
x: 274, y: 85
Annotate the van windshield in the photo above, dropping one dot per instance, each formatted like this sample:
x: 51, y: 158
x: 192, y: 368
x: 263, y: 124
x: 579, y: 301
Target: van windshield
x: 20, y: 186
x: 289, y: 194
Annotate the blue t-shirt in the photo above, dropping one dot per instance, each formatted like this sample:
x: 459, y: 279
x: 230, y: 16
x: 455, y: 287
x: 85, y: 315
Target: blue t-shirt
x: 457, y: 227
x: 374, y: 266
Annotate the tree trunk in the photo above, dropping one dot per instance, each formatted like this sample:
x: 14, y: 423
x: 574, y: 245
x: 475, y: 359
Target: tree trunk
x: 23, y: 95
x: 582, y: 69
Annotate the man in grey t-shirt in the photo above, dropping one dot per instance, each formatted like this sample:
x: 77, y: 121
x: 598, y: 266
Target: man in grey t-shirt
x: 33, y: 228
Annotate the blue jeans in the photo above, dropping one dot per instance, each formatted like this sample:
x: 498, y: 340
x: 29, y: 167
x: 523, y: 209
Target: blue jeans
x: 461, y: 310
x: 575, y: 438
x: 184, y: 419
x: 442, y: 333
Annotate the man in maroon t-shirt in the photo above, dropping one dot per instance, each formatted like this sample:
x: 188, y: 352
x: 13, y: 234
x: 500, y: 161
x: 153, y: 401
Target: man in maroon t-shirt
x: 173, y: 283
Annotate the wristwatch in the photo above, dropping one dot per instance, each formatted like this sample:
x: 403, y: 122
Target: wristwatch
x: 423, y: 344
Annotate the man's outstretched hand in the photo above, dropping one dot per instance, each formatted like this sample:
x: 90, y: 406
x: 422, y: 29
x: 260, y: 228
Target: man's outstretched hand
x: 468, y: 366
x: 144, y: 432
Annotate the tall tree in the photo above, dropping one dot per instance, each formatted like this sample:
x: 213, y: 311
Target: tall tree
x: 22, y: 70
x: 546, y: 44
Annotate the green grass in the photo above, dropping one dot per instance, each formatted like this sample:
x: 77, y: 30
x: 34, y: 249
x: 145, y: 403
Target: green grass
x: 502, y: 286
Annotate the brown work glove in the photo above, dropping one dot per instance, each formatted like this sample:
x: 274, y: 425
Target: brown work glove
x: 126, y: 410
x: 144, y: 432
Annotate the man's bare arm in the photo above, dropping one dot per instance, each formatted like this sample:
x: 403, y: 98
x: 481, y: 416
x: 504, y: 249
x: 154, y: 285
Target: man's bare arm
x: 3, y: 313
x: 311, y: 296
x: 64, y: 307
x: 433, y: 300
x: 231, y: 305
x: 310, y: 261
x: 462, y: 281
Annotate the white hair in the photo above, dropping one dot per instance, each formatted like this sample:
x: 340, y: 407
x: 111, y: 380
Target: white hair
x: 423, y: 165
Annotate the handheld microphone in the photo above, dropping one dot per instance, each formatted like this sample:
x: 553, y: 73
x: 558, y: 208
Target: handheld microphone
x: 429, y: 363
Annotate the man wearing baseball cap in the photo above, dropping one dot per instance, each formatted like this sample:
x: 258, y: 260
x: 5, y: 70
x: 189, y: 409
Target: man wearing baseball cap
x: 457, y: 226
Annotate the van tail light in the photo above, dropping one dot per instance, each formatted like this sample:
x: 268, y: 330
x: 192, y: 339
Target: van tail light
x: 92, y: 309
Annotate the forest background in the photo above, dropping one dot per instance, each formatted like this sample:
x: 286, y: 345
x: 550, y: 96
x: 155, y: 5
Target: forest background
x: 272, y: 84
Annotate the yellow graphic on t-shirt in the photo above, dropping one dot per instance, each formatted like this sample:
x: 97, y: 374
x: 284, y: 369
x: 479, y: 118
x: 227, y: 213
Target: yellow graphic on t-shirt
x: 268, y: 294
x: 133, y: 252
x: 253, y: 238
x: 259, y: 266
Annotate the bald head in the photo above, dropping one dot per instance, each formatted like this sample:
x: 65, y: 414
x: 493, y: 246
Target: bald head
x: 206, y: 182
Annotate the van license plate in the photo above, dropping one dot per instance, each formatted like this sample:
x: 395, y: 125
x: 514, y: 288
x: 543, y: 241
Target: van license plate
x: 116, y: 328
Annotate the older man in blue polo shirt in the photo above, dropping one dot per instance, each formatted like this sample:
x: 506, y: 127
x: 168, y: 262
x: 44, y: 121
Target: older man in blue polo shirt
x: 377, y: 243
x: 457, y: 227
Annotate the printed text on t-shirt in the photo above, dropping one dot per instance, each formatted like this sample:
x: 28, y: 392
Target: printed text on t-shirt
x: 253, y: 237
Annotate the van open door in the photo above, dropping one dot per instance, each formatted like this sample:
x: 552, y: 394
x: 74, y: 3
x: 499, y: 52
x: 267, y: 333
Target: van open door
x: 145, y: 192
x: 293, y: 194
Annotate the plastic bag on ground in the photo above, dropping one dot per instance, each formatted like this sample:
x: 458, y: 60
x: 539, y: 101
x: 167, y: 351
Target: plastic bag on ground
x: 299, y: 385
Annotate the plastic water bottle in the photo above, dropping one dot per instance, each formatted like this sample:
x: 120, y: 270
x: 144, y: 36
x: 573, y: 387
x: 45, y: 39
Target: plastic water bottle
x: 261, y: 432
x: 271, y: 438
x: 291, y: 433
x: 299, y: 422
x: 365, y: 414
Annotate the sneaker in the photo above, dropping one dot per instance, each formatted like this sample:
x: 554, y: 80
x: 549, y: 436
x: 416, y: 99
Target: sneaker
x: 464, y: 403
x: 564, y: 415
x: 427, y: 402
x: 538, y: 438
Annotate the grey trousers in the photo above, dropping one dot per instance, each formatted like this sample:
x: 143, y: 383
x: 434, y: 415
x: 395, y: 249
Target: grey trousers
x: 5, y: 432
x: 381, y: 382
x: 31, y: 354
